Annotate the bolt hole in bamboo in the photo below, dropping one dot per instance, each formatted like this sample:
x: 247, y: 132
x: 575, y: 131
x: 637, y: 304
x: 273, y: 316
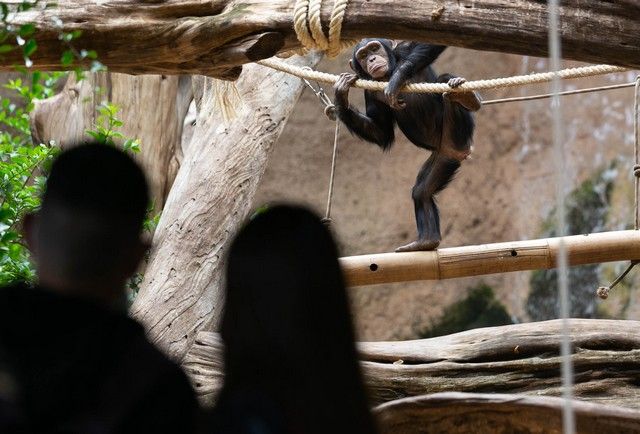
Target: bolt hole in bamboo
x: 485, y: 259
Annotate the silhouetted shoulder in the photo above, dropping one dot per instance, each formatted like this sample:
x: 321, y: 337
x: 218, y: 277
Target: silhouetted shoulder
x: 78, y: 364
x: 245, y: 412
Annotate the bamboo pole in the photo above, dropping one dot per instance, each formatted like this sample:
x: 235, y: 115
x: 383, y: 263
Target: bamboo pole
x: 484, y: 259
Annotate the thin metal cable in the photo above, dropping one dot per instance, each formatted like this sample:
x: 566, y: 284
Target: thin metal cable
x: 564, y: 93
x: 330, y: 112
x: 327, y: 214
x: 603, y: 291
x: 568, y: 416
x: 636, y: 140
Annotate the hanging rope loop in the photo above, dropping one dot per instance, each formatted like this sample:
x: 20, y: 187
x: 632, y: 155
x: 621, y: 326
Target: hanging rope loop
x: 308, y: 26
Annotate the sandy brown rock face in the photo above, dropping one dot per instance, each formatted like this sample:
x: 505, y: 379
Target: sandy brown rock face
x: 503, y: 193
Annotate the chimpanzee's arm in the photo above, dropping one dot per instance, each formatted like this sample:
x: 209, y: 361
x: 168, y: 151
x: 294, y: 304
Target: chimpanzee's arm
x: 469, y: 100
x: 411, y: 58
x: 376, y: 126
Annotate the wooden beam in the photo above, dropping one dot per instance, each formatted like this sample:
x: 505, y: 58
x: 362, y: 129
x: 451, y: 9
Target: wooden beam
x: 484, y: 259
x: 215, y: 37
x: 482, y: 413
x: 519, y: 358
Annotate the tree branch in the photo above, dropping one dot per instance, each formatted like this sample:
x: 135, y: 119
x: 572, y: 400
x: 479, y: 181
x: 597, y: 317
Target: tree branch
x: 212, y: 37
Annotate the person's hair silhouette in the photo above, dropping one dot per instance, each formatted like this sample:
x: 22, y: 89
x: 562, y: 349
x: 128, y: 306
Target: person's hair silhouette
x: 86, y: 236
x: 78, y: 363
x: 290, y: 357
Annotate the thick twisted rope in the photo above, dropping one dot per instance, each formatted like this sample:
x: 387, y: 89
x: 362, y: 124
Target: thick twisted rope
x: 308, y: 26
x: 496, y: 83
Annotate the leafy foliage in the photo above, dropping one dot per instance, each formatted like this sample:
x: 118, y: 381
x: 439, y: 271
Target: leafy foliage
x: 23, y: 167
x: 106, y: 129
x: 23, y: 35
x: 587, y: 210
x: 24, y: 164
x: 478, y: 309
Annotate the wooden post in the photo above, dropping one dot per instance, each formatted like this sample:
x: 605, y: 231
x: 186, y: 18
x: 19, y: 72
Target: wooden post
x: 484, y: 259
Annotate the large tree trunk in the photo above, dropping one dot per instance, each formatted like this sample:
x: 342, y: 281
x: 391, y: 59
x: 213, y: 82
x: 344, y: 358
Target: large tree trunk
x: 153, y: 109
x: 521, y: 358
x: 213, y: 37
x: 210, y: 199
x: 462, y: 413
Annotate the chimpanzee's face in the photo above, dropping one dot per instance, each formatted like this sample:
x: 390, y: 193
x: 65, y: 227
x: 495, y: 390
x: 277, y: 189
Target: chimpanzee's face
x: 374, y: 59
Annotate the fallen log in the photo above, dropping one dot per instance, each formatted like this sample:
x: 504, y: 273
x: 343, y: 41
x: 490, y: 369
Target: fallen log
x: 484, y: 259
x: 462, y: 413
x: 215, y: 37
x: 521, y: 358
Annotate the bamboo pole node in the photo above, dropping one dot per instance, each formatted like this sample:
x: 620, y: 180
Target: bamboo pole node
x: 484, y: 259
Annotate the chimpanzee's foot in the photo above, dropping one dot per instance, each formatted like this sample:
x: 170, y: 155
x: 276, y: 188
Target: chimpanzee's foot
x: 419, y: 245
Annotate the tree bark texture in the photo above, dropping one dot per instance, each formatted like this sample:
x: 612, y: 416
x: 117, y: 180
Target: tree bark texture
x: 215, y: 37
x: 521, y: 358
x: 211, y: 196
x: 462, y: 413
x: 152, y: 108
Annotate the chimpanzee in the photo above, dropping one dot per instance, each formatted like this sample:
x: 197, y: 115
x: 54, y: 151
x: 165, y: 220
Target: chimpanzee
x: 441, y: 123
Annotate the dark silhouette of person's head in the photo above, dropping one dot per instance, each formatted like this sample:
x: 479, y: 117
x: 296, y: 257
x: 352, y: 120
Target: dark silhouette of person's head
x: 86, y: 238
x: 287, y: 327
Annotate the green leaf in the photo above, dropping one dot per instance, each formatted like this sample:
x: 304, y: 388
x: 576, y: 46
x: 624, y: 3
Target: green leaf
x: 5, y: 48
x: 67, y: 58
x: 29, y: 47
x: 26, y: 30
x: 96, y: 135
x: 5, y: 11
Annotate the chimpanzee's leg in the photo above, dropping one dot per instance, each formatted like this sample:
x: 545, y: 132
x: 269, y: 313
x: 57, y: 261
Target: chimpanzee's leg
x: 434, y: 176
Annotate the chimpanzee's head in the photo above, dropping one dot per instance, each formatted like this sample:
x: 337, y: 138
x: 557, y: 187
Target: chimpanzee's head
x: 373, y: 59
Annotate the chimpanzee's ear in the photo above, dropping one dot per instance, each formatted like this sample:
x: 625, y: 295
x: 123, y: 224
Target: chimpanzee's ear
x: 351, y: 65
